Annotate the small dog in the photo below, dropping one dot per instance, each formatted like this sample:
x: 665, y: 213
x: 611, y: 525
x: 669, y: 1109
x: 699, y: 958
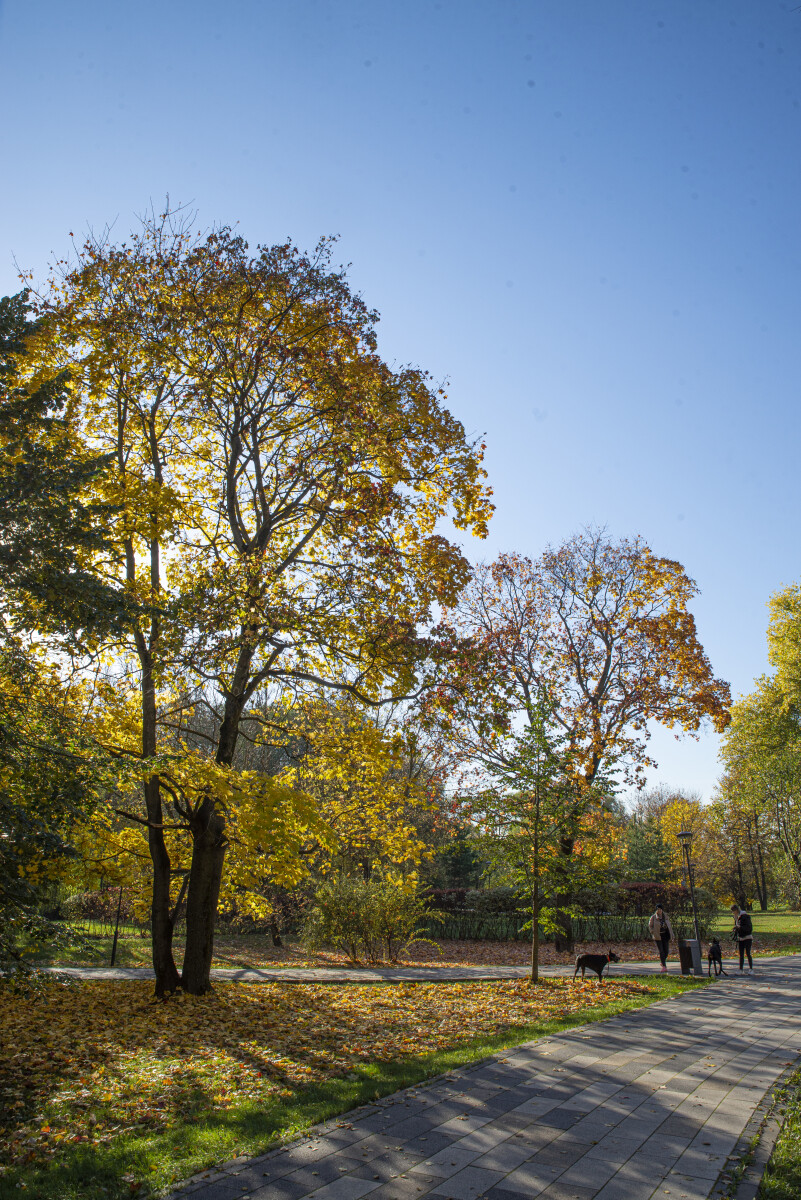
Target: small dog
x: 594, y: 962
x: 714, y: 959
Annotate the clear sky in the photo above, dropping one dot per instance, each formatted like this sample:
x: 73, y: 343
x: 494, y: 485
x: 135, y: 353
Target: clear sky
x: 584, y: 214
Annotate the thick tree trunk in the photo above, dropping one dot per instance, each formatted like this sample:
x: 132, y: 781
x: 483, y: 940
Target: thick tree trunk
x: 167, y: 978
x: 205, y: 876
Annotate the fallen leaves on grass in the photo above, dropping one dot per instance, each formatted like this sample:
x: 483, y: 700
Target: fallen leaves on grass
x: 86, y: 1062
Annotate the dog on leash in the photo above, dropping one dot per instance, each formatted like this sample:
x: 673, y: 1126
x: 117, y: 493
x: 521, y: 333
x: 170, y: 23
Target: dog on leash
x: 714, y: 958
x: 594, y: 962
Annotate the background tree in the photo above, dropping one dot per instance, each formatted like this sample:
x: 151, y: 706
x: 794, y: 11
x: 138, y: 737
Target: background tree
x: 762, y: 751
x: 51, y: 533
x: 762, y: 757
x: 50, y: 526
x: 646, y: 855
x: 600, y: 632
x: 526, y: 817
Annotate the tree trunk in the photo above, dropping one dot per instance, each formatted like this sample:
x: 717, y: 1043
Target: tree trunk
x: 205, y: 876
x: 763, y: 896
x: 209, y: 843
x: 535, y: 934
x: 741, y: 899
x: 161, y: 923
x: 563, y: 940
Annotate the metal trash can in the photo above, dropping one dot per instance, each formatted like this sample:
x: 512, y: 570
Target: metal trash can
x: 690, y: 956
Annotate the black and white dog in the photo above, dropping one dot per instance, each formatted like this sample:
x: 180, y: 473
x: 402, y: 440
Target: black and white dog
x: 714, y: 959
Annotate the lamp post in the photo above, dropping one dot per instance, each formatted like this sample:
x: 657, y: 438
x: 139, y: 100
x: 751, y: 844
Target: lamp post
x: 685, y: 836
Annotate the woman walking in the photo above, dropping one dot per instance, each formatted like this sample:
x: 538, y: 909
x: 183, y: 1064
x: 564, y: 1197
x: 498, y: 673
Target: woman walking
x: 743, y: 934
x: 662, y: 932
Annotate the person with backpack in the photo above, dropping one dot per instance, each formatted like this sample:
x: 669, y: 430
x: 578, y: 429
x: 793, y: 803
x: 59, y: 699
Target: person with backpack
x: 743, y: 934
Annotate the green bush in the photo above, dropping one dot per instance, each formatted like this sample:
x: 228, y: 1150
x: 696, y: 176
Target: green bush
x: 370, y: 920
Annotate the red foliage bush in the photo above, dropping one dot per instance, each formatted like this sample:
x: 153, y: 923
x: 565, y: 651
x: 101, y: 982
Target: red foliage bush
x: 641, y: 899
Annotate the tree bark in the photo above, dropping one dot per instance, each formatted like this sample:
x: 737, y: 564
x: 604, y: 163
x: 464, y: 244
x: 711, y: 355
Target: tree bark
x: 564, y: 940
x: 209, y: 843
x: 161, y: 923
x: 535, y: 933
x: 741, y: 899
x: 763, y: 898
x: 205, y: 876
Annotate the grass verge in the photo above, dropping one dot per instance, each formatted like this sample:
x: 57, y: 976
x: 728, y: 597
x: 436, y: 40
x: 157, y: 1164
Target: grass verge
x: 782, y: 1178
x: 145, y: 1162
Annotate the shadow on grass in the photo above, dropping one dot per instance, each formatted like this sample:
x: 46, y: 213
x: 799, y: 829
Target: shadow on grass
x: 154, y: 1161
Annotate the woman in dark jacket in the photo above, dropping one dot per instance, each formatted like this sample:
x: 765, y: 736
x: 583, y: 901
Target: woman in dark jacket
x: 743, y: 933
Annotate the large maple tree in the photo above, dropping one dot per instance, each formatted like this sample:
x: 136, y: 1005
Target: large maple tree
x: 277, y: 488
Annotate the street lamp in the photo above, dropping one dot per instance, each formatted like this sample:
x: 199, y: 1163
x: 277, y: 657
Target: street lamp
x: 685, y: 836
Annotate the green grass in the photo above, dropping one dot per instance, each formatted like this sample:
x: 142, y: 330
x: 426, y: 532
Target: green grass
x: 780, y: 921
x: 99, y: 1173
x: 782, y: 1178
x: 777, y: 931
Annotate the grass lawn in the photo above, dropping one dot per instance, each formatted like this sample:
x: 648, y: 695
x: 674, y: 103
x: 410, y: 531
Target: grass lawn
x: 775, y: 932
x: 105, y: 1094
x: 782, y: 1178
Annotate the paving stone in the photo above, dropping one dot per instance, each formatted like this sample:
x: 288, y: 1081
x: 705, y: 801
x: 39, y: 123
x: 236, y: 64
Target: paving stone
x: 468, y: 1184
x: 278, y: 1189
x: 563, y: 1151
x: 533, y: 1176
x: 566, y: 1191
x: 347, y: 1188
x: 316, y: 1174
x: 505, y: 1157
x: 680, y: 1187
x: 589, y: 1173
x: 226, y: 1189
x: 446, y: 1163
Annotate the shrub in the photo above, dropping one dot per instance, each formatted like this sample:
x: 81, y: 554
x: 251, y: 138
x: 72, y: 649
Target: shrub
x: 493, y: 900
x: 642, y: 898
x: 368, y: 919
x: 100, y: 905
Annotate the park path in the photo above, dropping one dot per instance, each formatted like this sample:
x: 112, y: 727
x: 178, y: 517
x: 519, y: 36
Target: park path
x: 431, y: 974
x: 648, y: 1104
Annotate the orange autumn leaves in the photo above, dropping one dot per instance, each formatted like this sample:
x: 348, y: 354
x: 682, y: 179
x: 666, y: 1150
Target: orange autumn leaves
x: 89, y: 1062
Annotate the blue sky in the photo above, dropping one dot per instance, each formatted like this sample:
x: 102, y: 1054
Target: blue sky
x: 585, y: 215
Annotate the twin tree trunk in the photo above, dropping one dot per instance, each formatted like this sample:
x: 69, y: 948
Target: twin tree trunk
x: 209, y: 843
x: 205, y: 876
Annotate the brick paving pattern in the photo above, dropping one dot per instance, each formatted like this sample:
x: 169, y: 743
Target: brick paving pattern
x: 648, y: 1104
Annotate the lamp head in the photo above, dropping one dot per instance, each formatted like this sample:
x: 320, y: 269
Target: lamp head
x: 685, y: 836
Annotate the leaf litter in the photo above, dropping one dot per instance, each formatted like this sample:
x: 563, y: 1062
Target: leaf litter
x: 85, y: 1062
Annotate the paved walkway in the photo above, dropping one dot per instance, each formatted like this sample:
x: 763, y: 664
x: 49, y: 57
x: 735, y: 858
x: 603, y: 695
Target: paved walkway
x: 648, y: 1104
x: 365, y: 974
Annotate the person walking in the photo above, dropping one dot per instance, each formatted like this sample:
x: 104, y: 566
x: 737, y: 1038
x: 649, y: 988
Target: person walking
x: 662, y: 932
x: 743, y: 934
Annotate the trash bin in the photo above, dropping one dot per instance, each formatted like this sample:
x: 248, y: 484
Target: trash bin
x: 690, y: 956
